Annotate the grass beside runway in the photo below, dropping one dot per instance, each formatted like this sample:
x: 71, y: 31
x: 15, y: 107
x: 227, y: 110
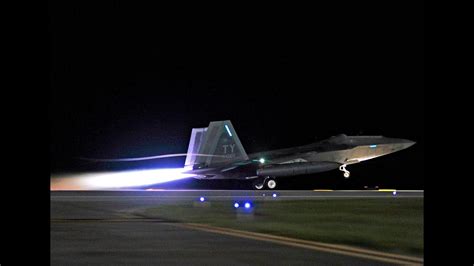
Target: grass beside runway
x: 385, y: 224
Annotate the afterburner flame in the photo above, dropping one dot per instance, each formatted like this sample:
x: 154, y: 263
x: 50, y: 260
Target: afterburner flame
x: 116, y: 180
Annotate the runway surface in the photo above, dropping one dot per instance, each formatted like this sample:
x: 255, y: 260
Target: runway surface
x: 98, y: 227
x: 229, y: 194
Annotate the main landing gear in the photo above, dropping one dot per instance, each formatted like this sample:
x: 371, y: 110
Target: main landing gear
x: 269, y: 182
x: 343, y: 168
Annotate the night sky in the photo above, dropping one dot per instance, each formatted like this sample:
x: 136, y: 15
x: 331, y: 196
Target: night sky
x: 132, y: 81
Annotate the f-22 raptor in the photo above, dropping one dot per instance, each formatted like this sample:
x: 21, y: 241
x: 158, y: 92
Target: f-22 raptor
x: 215, y: 152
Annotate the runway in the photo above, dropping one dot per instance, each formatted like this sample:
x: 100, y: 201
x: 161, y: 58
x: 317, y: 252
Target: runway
x: 99, y: 227
x: 229, y: 194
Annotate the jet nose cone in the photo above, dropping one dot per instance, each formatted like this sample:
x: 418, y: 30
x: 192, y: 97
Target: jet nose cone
x: 408, y: 143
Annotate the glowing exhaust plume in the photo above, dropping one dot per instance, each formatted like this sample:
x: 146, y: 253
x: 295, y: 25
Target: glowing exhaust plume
x: 117, y: 180
x: 149, y: 157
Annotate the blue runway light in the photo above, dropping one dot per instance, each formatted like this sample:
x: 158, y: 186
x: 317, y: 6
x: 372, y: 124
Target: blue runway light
x: 394, y: 193
x: 236, y: 205
x: 274, y: 195
x: 202, y: 199
x: 247, y: 205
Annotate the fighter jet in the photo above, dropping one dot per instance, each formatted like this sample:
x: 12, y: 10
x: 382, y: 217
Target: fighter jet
x: 215, y: 152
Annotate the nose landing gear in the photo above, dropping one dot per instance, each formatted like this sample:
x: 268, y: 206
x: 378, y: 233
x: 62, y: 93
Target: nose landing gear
x: 343, y: 168
x: 269, y: 182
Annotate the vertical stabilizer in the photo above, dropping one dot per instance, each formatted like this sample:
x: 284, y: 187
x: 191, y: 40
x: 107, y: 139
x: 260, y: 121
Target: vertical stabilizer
x: 221, y: 140
x: 197, y: 137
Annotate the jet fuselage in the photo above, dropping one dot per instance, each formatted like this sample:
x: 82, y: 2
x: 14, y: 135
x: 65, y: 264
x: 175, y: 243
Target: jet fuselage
x: 335, y: 152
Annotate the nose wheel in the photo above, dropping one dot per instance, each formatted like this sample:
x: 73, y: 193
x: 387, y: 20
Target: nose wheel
x: 343, y: 168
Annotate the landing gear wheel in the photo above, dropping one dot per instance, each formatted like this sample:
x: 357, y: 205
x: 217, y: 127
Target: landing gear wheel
x: 271, y: 183
x: 343, y: 168
x: 258, y: 184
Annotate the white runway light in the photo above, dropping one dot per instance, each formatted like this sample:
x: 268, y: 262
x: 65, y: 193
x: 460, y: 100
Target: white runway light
x: 116, y: 180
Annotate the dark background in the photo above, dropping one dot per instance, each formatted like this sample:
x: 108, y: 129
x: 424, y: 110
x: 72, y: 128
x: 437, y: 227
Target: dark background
x: 132, y: 81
